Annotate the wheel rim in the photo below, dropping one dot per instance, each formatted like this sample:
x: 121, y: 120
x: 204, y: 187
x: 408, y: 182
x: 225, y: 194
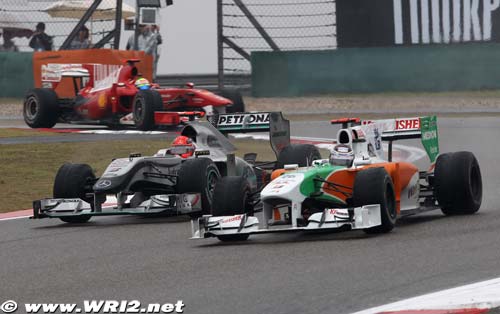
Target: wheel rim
x: 31, y: 108
x: 212, y: 178
x: 139, y: 109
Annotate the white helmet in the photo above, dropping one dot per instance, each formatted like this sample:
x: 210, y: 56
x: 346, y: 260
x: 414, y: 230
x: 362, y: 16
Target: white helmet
x: 342, y: 155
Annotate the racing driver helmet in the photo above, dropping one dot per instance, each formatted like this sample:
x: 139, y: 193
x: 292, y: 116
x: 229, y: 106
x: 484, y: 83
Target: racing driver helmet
x: 342, y: 155
x: 142, y: 84
x: 182, y: 146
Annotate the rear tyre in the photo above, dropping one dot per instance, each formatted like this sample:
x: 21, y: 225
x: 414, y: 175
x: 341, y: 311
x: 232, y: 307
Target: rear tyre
x: 73, y: 181
x: 199, y: 175
x: 374, y: 186
x: 237, y: 99
x: 41, y: 109
x: 146, y: 102
x: 301, y: 154
x: 457, y: 183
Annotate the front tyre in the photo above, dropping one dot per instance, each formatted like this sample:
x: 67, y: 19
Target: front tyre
x: 374, y: 186
x: 74, y: 181
x: 146, y: 102
x: 458, y: 185
x: 232, y: 196
x: 40, y: 108
x: 199, y: 175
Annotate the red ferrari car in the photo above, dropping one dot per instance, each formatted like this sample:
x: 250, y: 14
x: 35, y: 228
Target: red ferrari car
x: 117, y: 95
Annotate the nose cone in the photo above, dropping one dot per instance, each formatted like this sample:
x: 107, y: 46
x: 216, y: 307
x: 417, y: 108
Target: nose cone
x: 104, y: 185
x: 286, y: 186
x: 216, y: 100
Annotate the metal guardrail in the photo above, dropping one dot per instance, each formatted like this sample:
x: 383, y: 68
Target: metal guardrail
x: 241, y: 82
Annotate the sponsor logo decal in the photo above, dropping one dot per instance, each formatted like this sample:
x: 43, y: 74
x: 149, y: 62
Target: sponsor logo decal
x: 429, y: 135
x: 340, y: 213
x: 408, y: 124
x: 413, y: 191
x: 232, y: 219
x: 103, y: 183
x: 102, y: 101
x: 239, y: 119
x: 445, y: 21
x: 70, y: 201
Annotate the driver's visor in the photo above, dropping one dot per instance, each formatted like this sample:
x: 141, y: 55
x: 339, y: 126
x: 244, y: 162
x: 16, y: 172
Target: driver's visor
x: 180, y: 150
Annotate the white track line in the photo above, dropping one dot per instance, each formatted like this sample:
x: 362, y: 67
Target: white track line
x: 110, y: 201
x: 127, y: 132
x: 14, y: 218
x: 482, y: 295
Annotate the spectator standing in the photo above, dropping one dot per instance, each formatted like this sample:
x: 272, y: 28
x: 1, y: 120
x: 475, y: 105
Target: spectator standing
x: 82, y: 40
x: 159, y: 41
x: 40, y: 40
x: 147, y: 41
x: 8, y: 44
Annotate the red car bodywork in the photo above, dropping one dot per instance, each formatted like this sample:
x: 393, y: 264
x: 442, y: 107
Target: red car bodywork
x: 108, y: 93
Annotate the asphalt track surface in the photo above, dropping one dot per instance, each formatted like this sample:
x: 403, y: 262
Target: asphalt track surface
x: 153, y: 261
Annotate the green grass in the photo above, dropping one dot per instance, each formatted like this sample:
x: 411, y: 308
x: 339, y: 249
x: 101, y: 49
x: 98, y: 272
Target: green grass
x: 14, y: 132
x: 28, y: 170
x: 9, y: 101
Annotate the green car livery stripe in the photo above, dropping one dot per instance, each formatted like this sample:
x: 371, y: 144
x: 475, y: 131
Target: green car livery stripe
x: 313, y: 183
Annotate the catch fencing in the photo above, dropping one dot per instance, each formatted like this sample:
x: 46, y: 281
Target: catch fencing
x: 245, y: 26
x: 22, y: 15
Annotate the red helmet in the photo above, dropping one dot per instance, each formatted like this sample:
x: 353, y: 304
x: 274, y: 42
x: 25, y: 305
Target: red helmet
x: 182, y: 140
x: 182, y: 146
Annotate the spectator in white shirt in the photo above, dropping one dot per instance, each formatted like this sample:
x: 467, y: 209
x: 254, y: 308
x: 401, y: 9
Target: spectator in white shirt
x: 148, y: 40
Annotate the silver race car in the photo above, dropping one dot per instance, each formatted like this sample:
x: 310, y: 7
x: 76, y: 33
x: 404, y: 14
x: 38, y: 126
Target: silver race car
x: 177, y: 180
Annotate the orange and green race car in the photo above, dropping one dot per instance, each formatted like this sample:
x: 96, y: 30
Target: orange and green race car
x: 358, y: 187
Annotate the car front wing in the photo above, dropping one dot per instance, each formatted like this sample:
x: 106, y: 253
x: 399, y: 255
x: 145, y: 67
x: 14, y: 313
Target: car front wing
x: 175, y: 204
x: 364, y: 217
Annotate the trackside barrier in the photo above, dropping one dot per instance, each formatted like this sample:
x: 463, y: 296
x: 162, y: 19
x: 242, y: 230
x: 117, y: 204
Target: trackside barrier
x: 371, y: 70
x: 16, y: 73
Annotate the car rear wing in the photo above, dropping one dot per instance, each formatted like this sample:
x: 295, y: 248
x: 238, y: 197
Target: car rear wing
x: 397, y: 129
x: 272, y: 122
x: 391, y: 130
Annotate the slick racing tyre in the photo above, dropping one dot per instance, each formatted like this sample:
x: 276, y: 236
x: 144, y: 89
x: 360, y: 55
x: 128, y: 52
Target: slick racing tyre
x: 235, y: 96
x: 74, y: 181
x: 301, y: 154
x: 199, y: 175
x: 146, y: 102
x: 374, y: 186
x: 40, y: 109
x: 458, y: 185
x: 232, y: 197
